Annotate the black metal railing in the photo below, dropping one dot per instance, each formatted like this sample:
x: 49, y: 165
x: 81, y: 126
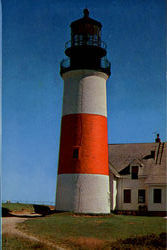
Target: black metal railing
x: 104, y: 63
x: 85, y: 42
x: 65, y: 63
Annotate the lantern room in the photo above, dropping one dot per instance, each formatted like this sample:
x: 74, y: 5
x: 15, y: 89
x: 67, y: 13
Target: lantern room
x: 85, y: 50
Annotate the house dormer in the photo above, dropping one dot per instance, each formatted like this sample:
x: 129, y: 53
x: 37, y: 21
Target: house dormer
x: 135, y: 166
x: 133, y: 170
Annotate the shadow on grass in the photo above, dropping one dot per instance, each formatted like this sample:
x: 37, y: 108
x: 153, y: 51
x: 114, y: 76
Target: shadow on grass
x: 6, y: 212
x: 39, y: 211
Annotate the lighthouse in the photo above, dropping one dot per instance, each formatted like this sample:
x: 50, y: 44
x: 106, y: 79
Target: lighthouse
x: 83, y: 172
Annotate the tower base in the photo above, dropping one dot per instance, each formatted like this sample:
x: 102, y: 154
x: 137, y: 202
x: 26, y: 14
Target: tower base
x: 83, y: 193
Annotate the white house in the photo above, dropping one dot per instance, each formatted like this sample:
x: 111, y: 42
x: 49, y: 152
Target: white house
x: 138, y: 180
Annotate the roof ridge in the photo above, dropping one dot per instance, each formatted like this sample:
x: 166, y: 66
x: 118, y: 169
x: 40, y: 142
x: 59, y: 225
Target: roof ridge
x: 129, y: 143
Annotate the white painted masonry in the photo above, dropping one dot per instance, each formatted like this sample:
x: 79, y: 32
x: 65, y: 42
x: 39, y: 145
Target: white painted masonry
x: 84, y: 92
x: 83, y: 193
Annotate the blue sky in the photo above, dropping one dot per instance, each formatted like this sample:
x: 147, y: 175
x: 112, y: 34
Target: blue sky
x: 34, y: 35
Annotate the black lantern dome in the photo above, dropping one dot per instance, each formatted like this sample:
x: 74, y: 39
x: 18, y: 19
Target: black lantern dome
x: 85, y: 50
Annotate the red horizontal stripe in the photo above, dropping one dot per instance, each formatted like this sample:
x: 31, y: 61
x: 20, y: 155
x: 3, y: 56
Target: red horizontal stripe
x: 88, y: 134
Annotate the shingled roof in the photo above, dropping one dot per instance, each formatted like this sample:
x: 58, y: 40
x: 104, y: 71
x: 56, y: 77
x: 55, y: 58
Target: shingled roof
x: 153, y: 168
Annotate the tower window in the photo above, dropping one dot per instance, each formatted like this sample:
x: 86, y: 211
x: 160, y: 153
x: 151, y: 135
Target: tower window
x: 134, y: 173
x: 157, y: 195
x: 127, y: 196
x: 75, y: 153
x: 141, y: 196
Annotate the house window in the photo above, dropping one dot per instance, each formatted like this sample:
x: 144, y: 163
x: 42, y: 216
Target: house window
x: 75, y: 153
x: 157, y: 195
x: 141, y: 196
x: 127, y: 196
x: 134, y: 172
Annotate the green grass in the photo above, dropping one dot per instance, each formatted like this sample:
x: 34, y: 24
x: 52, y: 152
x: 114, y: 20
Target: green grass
x: 18, y: 206
x: 152, y: 242
x: 11, y: 242
x: 71, y: 230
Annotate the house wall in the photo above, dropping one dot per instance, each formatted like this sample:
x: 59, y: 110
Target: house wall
x: 134, y: 186
x: 157, y: 206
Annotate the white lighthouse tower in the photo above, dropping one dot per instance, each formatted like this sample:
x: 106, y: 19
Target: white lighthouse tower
x: 83, y: 172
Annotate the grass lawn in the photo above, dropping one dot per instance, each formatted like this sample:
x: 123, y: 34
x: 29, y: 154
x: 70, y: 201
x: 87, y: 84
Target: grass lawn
x: 18, y: 206
x: 11, y: 242
x: 88, y: 232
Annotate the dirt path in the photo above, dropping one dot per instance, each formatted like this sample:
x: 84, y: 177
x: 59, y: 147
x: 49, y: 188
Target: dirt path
x: 9, y: 225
